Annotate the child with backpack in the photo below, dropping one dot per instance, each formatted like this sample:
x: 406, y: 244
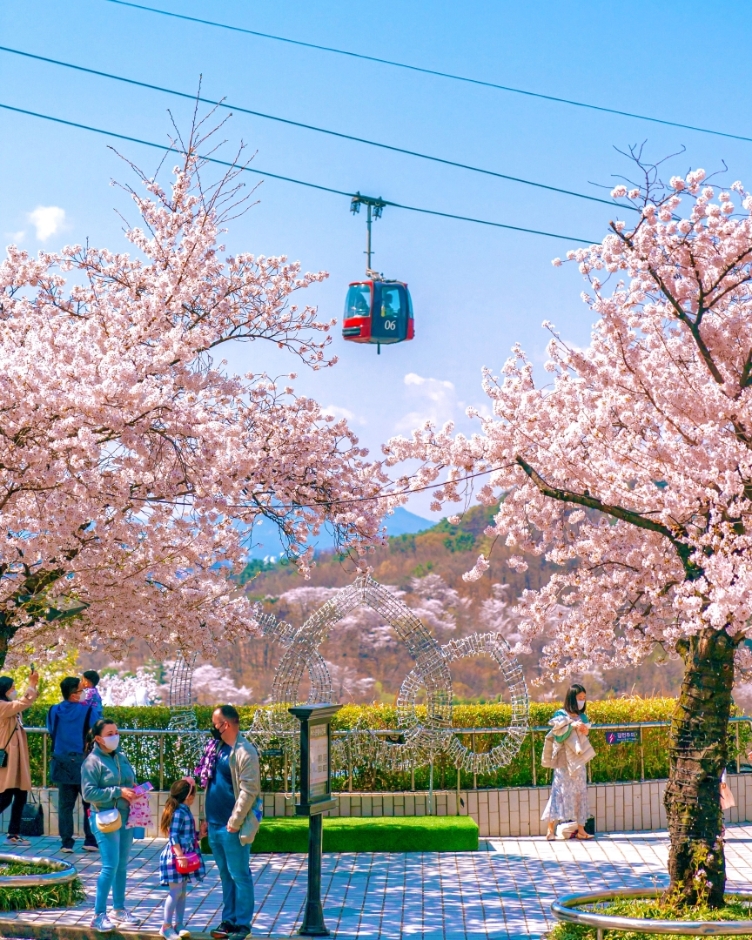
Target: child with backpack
x: 181, y: 858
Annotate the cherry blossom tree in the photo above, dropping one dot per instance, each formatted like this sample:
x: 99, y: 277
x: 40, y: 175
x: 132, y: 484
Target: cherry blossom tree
x: 133, y: 464
x: 139, y: 688
x: 632, y: 471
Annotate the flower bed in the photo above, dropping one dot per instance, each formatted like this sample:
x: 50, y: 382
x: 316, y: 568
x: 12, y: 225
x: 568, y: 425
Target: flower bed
x: 33, y: 897
x: 656, y: 908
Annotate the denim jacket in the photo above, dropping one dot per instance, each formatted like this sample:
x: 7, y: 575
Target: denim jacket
x: 102, y: 776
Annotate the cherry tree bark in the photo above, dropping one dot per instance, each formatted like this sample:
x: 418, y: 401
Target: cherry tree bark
x: 631, y: 471
x: 698, y: 756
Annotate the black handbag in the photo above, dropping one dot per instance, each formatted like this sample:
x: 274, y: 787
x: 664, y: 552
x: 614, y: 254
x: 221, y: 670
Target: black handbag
x: 32, y: 819
x: 4, y: 750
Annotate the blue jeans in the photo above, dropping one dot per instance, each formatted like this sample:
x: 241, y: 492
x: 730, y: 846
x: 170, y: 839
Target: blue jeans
x: 114, y: 849
x: 233, y: 861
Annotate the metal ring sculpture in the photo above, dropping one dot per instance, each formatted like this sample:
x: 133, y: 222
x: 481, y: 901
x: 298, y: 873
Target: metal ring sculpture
x: 495, y: 646
x: 420, y: 740
x: 189, y: 745
x: 565, y: 909
x: 63, y: 872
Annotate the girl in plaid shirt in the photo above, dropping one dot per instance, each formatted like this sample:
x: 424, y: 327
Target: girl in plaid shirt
x: 178, y: 825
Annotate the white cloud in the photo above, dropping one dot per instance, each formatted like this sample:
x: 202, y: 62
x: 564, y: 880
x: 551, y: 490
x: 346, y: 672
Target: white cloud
x: 15, y: 237
x: 47, y: 220
x: 336, y: 412
x: 433, y: 400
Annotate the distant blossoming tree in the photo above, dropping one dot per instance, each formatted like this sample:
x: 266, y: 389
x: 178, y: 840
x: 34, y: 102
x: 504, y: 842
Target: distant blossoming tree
x: 632, y: 471
x: 139, y: 688
x: 132, y: 463
x: 211, y: 685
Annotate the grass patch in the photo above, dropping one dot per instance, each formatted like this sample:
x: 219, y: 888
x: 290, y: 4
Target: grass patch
x: 32, y: 898
x: 371, y: 834
x: 653, y: 908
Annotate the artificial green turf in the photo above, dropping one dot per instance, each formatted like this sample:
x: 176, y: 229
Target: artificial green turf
x: 370, y: 834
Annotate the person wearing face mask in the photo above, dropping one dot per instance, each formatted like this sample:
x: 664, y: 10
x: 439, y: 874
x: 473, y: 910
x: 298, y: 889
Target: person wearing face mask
x: 68, y: 723
x: 15, y: 776
x: 570, y: 750
x: 107, y: 781
x: 233, y: 807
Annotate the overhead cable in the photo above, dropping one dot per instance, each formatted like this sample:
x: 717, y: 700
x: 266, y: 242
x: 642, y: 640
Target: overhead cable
x: 287, y: 179
x: 312, y: 127
x: 425, y: 71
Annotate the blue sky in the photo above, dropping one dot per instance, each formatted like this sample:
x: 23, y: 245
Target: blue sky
x: 475, y: 290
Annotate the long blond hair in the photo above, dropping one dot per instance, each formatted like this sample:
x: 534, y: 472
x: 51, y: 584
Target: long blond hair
x: 179, y: 793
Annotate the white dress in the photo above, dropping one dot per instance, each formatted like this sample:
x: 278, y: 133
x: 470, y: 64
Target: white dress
x: 569, y: 797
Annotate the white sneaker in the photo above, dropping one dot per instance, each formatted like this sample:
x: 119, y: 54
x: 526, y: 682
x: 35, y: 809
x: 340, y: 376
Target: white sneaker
x: 183, y: 933
x: 102, y: 922
x: 169, y: 933
x: 124, y: 919
x: 17, y: 840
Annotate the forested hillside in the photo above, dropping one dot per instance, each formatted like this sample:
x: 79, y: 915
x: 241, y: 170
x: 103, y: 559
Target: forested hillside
x: 366, y: 660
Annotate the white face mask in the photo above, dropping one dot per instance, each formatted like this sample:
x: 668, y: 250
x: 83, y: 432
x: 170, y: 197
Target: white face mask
x: 581, y: 703
x: 12, y: 695
x: 111, y: 741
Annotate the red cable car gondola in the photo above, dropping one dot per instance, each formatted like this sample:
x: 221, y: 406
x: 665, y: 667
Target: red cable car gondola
x: 377, y: 311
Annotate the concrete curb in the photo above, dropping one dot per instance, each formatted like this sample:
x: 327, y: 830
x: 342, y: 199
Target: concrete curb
x: 17, y: 927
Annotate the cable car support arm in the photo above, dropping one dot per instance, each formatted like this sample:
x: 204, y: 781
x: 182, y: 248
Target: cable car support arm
x: 374, y: 208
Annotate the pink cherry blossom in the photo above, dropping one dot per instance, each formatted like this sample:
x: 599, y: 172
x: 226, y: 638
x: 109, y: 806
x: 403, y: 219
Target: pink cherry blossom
x: 133, y: 465
x: 632, y: 471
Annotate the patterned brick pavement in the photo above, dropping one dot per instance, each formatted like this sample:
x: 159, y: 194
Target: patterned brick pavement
x: 500, y: 893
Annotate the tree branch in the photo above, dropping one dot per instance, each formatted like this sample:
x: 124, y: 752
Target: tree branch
x: 684, y: 551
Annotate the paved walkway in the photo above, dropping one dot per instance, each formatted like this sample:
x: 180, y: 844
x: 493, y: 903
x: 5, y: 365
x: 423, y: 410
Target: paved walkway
x: 501, y: 893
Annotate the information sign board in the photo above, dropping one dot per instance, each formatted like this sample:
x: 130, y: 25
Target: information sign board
x: 315, y: 799
x: 318, y: 761
x: 622, y: 737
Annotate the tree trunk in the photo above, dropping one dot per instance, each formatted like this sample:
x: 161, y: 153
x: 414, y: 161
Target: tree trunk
x: 698, y: 753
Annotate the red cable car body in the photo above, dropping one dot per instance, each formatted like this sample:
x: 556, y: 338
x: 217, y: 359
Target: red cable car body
x: 378, y: 312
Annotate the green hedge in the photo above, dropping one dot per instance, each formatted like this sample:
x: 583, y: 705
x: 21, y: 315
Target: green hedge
x: 380, y: 834
x: 612, y: 763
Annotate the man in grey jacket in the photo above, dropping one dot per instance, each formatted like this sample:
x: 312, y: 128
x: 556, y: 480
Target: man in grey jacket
x: 233, y: 808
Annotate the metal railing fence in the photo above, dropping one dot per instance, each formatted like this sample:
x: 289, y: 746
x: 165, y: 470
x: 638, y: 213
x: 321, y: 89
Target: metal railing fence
x: 155, y: 756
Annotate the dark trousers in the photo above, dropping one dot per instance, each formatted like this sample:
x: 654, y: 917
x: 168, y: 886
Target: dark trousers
x: 67, y: 794
x: 18, y: 799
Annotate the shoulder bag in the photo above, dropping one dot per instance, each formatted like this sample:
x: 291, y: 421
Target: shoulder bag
x: 4, y: 750
x: 187, y: 863
x: 110, y: 820
x: 32, y: 818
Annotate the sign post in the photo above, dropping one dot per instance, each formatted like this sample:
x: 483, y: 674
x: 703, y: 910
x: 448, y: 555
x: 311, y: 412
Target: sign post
x: 315, y: 799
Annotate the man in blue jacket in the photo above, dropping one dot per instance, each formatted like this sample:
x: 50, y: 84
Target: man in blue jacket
x: 68, y: 723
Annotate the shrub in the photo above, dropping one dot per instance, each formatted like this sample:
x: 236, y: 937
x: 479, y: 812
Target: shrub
x: 619, y: 762
x: 67, y: 894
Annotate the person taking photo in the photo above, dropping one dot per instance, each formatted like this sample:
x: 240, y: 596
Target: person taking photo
x: 15, y: 772
x: 68, y: 724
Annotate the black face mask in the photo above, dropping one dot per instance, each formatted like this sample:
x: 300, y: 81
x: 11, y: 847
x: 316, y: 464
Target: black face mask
x: 216, y: 733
